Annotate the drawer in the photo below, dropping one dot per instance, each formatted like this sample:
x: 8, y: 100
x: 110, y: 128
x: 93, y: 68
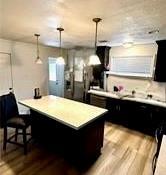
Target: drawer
x: 98, y: 101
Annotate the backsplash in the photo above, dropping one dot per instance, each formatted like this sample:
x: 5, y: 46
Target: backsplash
x: 141, y: 86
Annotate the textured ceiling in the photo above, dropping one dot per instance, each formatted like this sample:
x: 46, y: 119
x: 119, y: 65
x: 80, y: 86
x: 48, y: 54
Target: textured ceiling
x: 123, y: 20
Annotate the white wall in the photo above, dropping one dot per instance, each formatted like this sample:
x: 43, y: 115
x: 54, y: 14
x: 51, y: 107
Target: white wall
x: 26, y: 74
x: 140, y: 85
x: 138, y: 50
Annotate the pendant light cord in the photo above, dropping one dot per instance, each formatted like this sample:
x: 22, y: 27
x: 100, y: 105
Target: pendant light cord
x: 96, y: 20
x: 60, y: 44
x: 96, y: 36
x: 60, y: 36
x: 38, y: 60
x: 37, y: 46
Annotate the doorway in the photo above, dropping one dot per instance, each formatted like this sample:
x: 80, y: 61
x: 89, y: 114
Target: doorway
x: 6, y: 79
x: 56, y: 78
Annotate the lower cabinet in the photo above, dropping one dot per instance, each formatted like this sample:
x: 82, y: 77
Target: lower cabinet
x: 138, y: 116
x: 113, y: 105
x: 98, y: 101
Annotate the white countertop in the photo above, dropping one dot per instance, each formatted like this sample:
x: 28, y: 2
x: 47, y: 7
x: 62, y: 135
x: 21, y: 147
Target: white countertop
x: 71, y: 113
x: 136, y: 99
x: 161, y: 162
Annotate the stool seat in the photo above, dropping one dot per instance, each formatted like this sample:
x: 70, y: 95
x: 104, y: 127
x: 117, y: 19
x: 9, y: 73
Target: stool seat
x: 20, y: 121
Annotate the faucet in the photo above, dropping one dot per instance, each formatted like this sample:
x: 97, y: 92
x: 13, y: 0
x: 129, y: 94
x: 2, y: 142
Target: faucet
x: 116, y: 89
x: 149, y: 96
x: 133, y: 92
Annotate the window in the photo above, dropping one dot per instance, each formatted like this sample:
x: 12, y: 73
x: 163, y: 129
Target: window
x: 52, y: 71
x: 139, y: 66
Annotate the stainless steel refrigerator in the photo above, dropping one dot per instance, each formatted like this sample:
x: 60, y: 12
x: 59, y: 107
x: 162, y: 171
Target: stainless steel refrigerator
x: 77, y: 74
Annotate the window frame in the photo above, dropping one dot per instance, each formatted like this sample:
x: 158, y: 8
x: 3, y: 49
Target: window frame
x: 132, y: 74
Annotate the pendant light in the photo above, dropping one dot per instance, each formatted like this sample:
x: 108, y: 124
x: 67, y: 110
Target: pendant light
x: 94, y: 59
x: 60, y: 59
x: 38, y: 60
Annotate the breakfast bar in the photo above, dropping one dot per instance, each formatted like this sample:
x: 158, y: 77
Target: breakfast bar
x: 73, y: 128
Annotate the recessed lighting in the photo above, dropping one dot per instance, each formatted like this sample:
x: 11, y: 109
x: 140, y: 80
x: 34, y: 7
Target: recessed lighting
x: 103, y: 41
x: 127, y: 44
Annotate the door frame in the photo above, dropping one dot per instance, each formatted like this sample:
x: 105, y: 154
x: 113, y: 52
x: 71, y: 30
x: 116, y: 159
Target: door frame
x: 55, y: 59
x: 11, y: 67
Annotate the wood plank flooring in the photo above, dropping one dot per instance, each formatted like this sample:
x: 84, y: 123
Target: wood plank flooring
x: 125, y: 152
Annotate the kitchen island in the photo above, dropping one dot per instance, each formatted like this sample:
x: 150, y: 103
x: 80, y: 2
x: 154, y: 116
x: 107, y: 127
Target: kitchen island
x: 73, y: 128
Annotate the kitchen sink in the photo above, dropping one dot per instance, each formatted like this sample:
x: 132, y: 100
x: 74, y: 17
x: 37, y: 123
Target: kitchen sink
x: 126, y: 95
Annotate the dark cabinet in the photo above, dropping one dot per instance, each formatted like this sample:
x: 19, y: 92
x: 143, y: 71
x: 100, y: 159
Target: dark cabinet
x: 98, y: 101
x: 113, y: 105
x: 134, y: 115
x: 103, y: 54
x: 98, y: 70
x: 160, y: 69
x: 2, y: 119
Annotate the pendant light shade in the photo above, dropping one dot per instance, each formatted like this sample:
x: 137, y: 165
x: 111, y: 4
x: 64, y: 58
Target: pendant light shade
x: 94, y: 59
x: 60, y: 59
x: 38, y: 60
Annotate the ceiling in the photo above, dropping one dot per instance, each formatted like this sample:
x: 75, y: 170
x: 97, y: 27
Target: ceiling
x: 123, y: 21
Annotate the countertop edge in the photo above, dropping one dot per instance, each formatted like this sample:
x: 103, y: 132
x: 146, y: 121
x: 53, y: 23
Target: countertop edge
x: 135, y: 99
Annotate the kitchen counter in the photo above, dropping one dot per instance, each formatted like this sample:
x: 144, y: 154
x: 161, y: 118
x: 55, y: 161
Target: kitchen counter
x: 123, y: 97
x: 71, y: 113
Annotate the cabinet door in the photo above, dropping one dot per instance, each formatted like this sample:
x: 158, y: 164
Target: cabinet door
x: 98, y: 70
x: 113, y: 105
x: 159, y: 114
x: 160, y: 70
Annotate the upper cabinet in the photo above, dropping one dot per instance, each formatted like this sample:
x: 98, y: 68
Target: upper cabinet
x: 98, y: 70
x: 103, y: 54
x: 160, y: 69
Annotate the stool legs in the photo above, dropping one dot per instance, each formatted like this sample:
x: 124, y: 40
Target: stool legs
x: 25, y: 141
x: 16, y: 134
x: 5, y: 138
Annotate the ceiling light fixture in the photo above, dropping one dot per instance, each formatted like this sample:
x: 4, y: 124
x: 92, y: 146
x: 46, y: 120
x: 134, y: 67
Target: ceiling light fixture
x: 60, y: 59
x: 103, y: 41
x: 153, y: 31
x: 94, y: 59
x: 127, y: 44
x: 38, y: 59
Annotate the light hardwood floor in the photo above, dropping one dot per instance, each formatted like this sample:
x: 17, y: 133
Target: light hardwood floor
x: 125, y: 152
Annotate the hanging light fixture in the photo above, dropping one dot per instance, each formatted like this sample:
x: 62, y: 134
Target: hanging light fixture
x: 94, y: 59
x: 38, y: 60
x: 128, y: 44
x: 60, y: 59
